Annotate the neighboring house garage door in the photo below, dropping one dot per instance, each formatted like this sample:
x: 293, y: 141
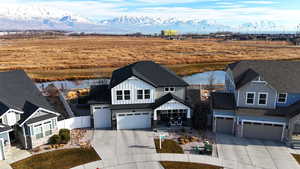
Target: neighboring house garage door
x: 262, y: 131
x: 224, y: 125
x: 134, y: 120
x: 102, y: 117
x: 1, y: 149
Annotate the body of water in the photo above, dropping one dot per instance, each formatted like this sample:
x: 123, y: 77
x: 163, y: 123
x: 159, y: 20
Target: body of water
x: 203, y: 78
x: 195, y: 79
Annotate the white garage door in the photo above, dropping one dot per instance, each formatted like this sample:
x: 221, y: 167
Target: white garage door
x: 134, y: 120
x: 1, y: 150
x: 102, y: 117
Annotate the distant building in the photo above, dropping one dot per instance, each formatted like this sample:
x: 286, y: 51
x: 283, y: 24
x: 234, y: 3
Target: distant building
x: 169, y: 33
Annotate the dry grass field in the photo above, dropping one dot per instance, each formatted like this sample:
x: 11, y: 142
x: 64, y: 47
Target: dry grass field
x: 92, y: 57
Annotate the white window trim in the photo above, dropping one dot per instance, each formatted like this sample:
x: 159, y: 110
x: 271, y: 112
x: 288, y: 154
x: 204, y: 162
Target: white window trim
x: 285, y: 99
x: 137, y: 94
x: 144, y: 94
x: 43, y: 123
x: 267, y: 96
x: 122, y: 95
x: 247, y: 98
x: 126, y: 95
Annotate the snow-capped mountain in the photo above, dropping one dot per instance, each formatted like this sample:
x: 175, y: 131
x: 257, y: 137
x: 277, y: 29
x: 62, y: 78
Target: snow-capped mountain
x: 23, y: 17
x: 39, y: 17
x: 156, y: 24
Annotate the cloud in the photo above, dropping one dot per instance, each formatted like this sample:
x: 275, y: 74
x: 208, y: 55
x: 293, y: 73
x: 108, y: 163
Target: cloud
x: 259, y: 2
x: 233, y: 12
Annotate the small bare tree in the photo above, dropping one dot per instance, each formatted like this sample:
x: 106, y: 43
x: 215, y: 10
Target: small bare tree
x: 211, y: 82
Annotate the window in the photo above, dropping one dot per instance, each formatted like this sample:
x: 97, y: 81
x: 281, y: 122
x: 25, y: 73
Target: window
x: 282, y: 97
x: 147, y: 94
x: 169, y: 89
x: 127, y: 94
x: 27, y: 130
x: 139, y: 94
x: 38, y: 131
x: 54, y: 123
x: 262, y: 98
x: 250, y: 98
x: 48, y: 128
x: 119, y: 95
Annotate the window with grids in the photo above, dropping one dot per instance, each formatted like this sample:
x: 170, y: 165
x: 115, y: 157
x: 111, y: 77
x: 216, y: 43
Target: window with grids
x: 38, y: 131
x: 250, y: 98
x: 139, y: 94
x: 127, y: 94
x: 119, y: 95
x: 48, y: 128
x: 282, y: 97
x: 262, y: 98
x: 147, y: 94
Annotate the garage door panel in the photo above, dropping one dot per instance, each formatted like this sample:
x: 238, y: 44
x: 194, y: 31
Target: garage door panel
x: 259, y: 131
x: 1, y: 149
x: 224, y: 125
x: 102, y: 117
x: 137, y: 120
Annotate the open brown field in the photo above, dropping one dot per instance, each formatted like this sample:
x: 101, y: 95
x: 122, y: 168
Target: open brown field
x: 92, y: 57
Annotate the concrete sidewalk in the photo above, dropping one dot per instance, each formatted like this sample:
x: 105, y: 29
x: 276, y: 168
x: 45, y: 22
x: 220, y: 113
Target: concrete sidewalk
x: 4, y: 165
x: 151, y: 161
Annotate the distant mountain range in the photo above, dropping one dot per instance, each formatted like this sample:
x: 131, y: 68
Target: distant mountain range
x: 34, y: 17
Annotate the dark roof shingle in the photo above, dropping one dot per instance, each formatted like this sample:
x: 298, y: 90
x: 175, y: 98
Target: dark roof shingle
x: 148, y: 71
x: 282, y: 75
x: 17, y: 91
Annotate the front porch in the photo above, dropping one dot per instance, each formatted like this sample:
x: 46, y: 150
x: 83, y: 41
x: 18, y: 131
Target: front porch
x: 172, y: 118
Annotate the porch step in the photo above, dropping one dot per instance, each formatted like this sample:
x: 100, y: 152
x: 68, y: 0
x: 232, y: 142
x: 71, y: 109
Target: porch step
x: 295, y: 144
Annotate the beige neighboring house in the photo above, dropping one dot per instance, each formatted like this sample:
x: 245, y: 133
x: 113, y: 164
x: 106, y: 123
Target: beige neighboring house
x: 26, y: 117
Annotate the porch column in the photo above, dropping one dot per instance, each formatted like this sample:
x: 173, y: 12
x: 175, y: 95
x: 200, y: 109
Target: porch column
x: 154, y: 124
x: 188, y: 116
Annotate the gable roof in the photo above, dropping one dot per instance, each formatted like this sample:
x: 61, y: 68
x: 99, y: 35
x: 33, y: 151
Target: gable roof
x: 148, y: 71
x: 248, y: 76
x: 4, y: 128
x: 164, y: 99
x: 158, y: 102
x: 16, y: 90
x: 282, y: 75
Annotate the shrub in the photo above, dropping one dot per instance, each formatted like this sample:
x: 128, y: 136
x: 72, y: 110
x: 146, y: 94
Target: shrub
x: 64, y: 136
x: 55, y: 139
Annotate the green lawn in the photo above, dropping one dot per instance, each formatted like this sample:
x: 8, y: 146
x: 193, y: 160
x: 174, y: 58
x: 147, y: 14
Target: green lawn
x: 168, y: 146
x: 59, y: 159
x: 186, y: 165
x: 297, y: 157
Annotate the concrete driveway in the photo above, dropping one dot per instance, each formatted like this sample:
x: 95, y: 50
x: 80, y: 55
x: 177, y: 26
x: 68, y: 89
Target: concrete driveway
x: 263, y: 154
x: 122, y: 146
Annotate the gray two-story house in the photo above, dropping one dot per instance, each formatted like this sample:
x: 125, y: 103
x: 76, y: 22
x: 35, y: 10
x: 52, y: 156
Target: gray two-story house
x: 26, y: 117
x: 262, y: 100
x: 141, y: 95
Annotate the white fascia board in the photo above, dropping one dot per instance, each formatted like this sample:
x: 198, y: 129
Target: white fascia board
x: 36, y: 112
x: 17, y: 111
x: 263, y: 122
